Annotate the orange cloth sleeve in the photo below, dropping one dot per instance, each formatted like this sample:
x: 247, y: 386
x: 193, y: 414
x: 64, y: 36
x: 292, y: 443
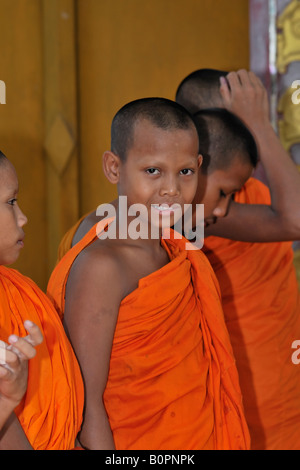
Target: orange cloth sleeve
x: 51, y: 411
x: 261, y: 304
x: 173, y: 382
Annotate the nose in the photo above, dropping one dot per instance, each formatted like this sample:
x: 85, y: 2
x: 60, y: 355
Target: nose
x: 169, y: 186
x: 223, y: 206
x: 22, y: 219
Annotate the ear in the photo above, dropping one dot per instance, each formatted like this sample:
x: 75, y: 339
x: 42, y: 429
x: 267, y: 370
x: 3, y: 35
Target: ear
x: 200, y: 161
x: 111, y: 164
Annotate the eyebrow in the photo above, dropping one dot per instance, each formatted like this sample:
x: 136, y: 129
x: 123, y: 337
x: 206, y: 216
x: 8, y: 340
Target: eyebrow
x: 161, y: 160
x: 13, y: 190
x: 232, y: 191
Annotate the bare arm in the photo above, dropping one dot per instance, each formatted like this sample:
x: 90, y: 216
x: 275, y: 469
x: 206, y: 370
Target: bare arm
x: 12, y: 436
x: 280, y: 221
x: 93, y: 297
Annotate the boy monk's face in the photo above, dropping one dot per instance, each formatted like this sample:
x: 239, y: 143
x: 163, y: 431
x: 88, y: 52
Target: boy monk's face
x: 216, y: 189
x: 161, y: 170
x: 11, y: 217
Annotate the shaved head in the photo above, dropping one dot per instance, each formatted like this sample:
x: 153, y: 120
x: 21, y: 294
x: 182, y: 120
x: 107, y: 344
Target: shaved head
x: 200, y: 89
x: 3, y: 158
x: 161, y: 112
x: 223, y: 137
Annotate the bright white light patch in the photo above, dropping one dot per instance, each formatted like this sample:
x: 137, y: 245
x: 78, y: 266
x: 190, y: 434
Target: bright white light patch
x: 2, y: 353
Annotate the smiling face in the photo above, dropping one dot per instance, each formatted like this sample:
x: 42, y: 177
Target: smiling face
x: 160, y: 171
x: 11, y: 217
x: 215, y: 189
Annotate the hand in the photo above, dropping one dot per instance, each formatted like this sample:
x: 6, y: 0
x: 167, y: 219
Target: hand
x: 244, y: 95
x: 14, y: 364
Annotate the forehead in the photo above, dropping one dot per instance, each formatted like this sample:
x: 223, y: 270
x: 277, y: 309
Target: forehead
x: 8, y: 176
x: 233, y: 177
x: 150, y: 139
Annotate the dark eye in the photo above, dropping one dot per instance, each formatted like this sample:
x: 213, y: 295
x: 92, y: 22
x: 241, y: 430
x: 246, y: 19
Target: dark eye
x: 222, y: 194
x: 152, y: 171
x: 187, y: 171
x: 12, y: 202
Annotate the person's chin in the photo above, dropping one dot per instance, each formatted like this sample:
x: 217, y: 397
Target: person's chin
x: 208, y: 222
x: 9, y: 261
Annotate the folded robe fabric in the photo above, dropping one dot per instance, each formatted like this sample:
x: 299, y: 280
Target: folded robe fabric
x: 261, y: 304
x: 51, y: 411
x: 173, y: 382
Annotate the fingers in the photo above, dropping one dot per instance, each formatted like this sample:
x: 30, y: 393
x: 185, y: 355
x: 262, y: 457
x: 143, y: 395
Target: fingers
x: 234, y: 80
x: 10, y: 363
x: 255, y: 80
x: 5, y: 372
x: 22, y: 347
x: 225, y: 89
x: 244, y: 95
x: 231, y: 90
x: 7, y: 356
x: 35, y: 336
x: 14, y: 358
x: 244, y: 79
x: 25, y: 347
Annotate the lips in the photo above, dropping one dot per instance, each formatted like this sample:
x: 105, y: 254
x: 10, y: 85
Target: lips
x: 210, y: 221
x: 20, y: 242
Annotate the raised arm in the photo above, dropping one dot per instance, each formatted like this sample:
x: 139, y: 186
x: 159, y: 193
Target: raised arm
x: 93, y: 297
x: 244, y: 95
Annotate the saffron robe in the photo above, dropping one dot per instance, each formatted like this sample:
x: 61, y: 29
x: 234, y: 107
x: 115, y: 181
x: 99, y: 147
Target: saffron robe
x: 51, y: 410
x: 66, y: 242
x: 173, y: 382
x: 261, y: 304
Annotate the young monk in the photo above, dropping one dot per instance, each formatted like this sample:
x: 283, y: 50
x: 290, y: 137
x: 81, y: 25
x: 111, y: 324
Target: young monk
x: 144, y: 315
x: 49, y: 415
x: 14, y: 359
x: 260, y: 295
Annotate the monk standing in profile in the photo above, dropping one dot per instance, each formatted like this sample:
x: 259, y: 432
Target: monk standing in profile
x: 49, y: 415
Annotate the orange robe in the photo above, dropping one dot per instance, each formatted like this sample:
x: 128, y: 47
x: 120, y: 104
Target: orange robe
x: 261, y: 305
x: 51, y: 411
x: 66, y: 242
x: 173, y: 382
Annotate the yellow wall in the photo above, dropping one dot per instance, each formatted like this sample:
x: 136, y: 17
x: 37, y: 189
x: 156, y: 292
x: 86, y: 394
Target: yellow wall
x: 69, y: 65
x: 130, y: 49
x: 21, y: 121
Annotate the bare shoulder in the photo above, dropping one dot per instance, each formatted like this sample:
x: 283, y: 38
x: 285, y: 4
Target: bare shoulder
x: 97, y: 269
x: 88, y: 222
x: 94, y: 293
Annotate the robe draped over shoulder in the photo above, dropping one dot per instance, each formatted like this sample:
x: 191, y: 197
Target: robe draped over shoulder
x: 172, y: 382
x: 51, y: 410
x: 66, y: 242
